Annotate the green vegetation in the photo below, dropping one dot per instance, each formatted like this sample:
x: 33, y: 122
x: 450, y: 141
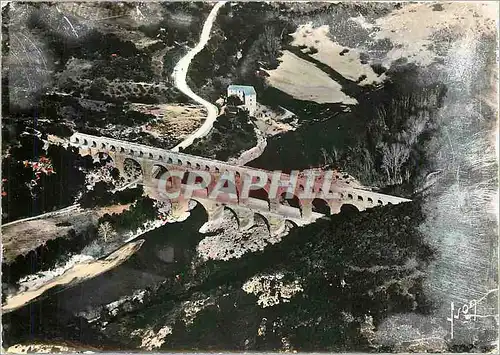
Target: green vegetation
x: 182, y: 22
x: 230, y: 135
x: 101, y: 195
x: 141, y: 211
x: 102, y: 64
x: 349, y: 288
x: 391, y: 150
x: 44, y: 193
x: 65, y: 114
x: 382, y: 141
x: 136, y: 68
x: 255, y: 31
x: 119, y: 92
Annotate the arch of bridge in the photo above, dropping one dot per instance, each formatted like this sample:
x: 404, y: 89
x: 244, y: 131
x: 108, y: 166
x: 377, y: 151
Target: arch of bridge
x: 264, y: 219
x: 134, y: 163
x: 234, y: 210
x: 233, y: 213
x: 159, y: 156
x: 361, y: 198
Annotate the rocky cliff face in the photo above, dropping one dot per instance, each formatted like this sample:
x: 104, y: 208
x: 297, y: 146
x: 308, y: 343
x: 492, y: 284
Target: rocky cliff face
x: 226, y: 241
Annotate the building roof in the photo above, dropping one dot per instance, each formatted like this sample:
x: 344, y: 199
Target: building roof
x: 247, y: 90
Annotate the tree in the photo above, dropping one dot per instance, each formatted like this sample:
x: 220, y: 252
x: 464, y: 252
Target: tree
x: 271, y: 45
x: 106, y: 231
x: 394, y: 156
x: 234, y: 100
x: 98, y: 88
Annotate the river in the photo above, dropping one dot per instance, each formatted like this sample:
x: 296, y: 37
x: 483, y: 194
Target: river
x: 147, y: 267
x: 462, y: 271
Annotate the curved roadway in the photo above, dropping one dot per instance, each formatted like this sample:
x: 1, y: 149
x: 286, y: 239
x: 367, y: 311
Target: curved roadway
x: 180, y: 72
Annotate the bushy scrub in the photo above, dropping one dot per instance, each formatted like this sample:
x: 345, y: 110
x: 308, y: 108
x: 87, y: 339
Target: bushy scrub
x: 230, y: 135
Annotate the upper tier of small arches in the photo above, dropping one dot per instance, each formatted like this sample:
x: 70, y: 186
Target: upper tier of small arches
x: 183, y: 160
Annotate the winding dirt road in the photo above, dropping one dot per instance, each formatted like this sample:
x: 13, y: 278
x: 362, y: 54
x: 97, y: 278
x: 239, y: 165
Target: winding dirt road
x: 180, y: 72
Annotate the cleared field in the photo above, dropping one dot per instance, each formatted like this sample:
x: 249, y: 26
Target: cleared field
x: 21, y: 238
x: 344, y: 60
x: 176, y: 121
x: 304, y: 81
x: 416, y: 40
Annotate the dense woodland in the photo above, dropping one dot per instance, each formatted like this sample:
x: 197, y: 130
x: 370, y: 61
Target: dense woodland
x: 355, y: 269
x: 348, y: 289
x: 48, y: 192
x: 231, y: 135
x: 94, y: 78
x: 102, y: 65
x: 380, y: 141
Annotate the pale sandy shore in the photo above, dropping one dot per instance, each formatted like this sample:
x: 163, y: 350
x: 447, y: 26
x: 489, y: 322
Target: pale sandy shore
x: 40, y: 348
x: 75, y: 275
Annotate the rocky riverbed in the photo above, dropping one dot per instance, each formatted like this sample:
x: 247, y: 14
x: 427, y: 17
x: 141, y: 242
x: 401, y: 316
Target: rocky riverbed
x: 411, y: 109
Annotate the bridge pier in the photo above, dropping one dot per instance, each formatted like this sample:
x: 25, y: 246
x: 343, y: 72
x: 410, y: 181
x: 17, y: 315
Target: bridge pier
x: 360, y: 206
x: 306, y: 210
x: 335, y: 207
x: 245, y: 217
x: 274, y: 205
x: 154, y: 193
x: 147, y: 157
x: 84, y: 151
x: 214, y: 210
x: 147, y: 171
x: 119, y: 161
x: 179, y: 207
x: 276, y: 225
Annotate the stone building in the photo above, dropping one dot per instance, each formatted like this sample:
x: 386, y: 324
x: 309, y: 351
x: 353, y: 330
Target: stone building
x: 246, y: 94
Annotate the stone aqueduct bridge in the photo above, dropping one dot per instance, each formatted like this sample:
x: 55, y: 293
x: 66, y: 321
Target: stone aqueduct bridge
x: 273, y: 208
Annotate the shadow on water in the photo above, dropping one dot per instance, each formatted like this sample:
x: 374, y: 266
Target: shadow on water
x: 338, y: 243
x: 301, y: 149
x: 333, y: 259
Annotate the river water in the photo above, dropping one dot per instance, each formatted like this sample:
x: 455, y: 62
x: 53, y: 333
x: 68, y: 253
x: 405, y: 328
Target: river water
x: 299, y: 149
x: 54, y: 315
x: 151, y: 265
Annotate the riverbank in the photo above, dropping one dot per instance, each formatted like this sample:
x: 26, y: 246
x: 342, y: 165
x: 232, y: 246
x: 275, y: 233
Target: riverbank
x: 74, y: 275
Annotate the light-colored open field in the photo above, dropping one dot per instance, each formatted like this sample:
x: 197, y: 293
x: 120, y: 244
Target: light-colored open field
x: 329, y: 52
x: 21, y: 238
x: 415, y: 27
x: 304, y: 81
x: 177, y: 121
